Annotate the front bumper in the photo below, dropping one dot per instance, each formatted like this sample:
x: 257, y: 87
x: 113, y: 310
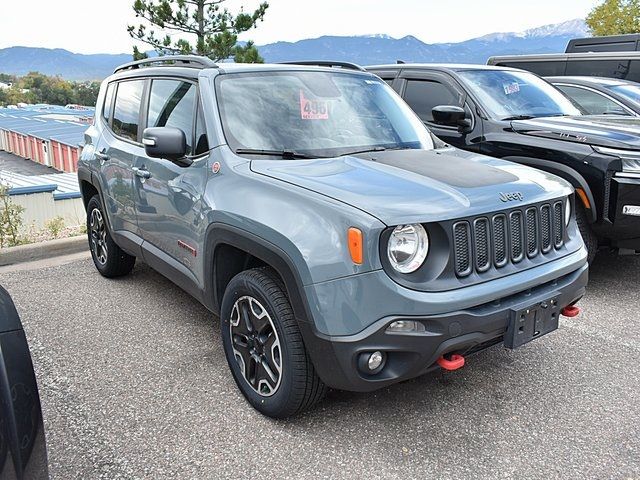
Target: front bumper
x: 620, y: 228
x: 464, y: 331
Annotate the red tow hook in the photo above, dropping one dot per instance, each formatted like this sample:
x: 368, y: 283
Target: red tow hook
x: 570, y: 311
x: 454, y: 362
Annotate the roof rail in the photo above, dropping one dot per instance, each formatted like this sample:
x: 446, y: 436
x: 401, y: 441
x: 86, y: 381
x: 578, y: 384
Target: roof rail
x: 190, y: 61
x: 325, y: 63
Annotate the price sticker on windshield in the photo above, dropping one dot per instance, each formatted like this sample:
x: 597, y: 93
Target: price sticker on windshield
x: 313, y: 109
x: 510, y: 88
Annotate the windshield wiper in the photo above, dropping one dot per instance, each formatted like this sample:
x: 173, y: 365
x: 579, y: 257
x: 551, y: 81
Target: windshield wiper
x: 518, y: 117
x: 285, y: 154
x: 365, y: 150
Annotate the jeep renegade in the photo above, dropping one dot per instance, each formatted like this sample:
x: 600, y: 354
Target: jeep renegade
x: 340, y: 244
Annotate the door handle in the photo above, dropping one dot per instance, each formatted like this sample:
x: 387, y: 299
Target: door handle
x: 141, y: 172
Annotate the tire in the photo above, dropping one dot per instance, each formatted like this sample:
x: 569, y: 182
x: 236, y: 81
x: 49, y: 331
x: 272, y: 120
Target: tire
x: 588, y: 236
x: 110, y: 260
x: 284, y: 382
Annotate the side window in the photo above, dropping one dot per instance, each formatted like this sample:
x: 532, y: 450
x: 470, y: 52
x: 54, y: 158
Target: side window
x: 599, y: 68
x: 126, y: 112
x: 591, y: 102
x: 108, y: 102
x: 172, y: 104
x: 202, y: 142
x: 423, y: 95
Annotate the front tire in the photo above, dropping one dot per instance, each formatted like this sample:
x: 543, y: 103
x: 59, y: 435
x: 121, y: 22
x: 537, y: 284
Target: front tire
x: 264, y: 348
x: 588, y: 235
x: 110, y: 260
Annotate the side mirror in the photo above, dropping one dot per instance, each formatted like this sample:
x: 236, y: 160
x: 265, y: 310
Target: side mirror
x: 451, y: 116
x: 165, y: 142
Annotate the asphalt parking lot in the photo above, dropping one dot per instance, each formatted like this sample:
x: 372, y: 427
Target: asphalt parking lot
x: 134, y: 384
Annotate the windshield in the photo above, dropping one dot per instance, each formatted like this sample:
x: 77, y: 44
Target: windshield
x: 511, y: 94
x: 632, y: 92
x: 315, y: 113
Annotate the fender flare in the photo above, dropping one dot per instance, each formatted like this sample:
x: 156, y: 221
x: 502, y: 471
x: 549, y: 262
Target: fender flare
x: 86, y: 175
x: 565, y: 172
x: 224, y: 234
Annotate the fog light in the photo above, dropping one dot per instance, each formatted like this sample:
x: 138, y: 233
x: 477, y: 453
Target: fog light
x: 375, y: 360
x: 406, y: 326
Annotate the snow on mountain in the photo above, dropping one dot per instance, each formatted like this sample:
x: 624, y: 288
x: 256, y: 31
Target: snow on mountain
x: 571, y: 28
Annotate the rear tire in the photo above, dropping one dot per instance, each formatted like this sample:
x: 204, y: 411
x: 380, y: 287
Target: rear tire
x: 110, y: 260
x: 588, y: 236
x: 264, y: 347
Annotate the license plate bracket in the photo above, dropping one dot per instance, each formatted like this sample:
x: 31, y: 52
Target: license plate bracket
x: 532, y: 322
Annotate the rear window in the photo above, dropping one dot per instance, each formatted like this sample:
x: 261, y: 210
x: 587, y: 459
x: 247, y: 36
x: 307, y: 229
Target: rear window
x: 126, y: 113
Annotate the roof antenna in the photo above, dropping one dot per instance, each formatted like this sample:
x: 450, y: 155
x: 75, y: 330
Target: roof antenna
x: 400, y: 62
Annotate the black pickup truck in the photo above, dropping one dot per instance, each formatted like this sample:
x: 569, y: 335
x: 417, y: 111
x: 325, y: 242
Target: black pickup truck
x: 518, y: 116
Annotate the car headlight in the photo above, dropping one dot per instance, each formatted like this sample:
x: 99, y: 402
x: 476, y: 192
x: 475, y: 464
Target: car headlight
x: 567, y: 211
x: 408, y: 247
x: 630, y: 158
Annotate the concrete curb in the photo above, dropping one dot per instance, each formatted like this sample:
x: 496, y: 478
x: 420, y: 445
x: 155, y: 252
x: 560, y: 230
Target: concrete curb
x: 43, y: 250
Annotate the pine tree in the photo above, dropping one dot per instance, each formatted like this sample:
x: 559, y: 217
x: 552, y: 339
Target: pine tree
x: 195, y: 27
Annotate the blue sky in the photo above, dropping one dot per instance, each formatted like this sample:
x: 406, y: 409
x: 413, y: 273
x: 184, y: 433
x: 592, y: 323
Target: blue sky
x: 99, y: 26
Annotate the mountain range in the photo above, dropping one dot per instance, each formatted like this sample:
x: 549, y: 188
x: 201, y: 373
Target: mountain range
x: 363, y: 49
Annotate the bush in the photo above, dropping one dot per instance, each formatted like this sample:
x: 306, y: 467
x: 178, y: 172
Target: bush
x: 10, y: 220
x: 55, y: 226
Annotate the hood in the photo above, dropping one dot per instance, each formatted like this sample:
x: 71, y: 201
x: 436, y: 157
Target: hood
x: 603, y: 130
x: 406, y: 186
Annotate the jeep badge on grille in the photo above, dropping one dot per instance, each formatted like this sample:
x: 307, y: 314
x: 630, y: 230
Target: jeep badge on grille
x: 511, y: 196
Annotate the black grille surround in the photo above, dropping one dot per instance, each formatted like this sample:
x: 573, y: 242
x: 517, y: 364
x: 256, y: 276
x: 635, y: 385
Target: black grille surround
x: 502, y: 245
x: 496, y: 240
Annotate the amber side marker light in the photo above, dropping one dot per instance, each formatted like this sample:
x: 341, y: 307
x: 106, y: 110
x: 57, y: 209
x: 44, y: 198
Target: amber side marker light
x: 583, y: 196
x: 355, y: 245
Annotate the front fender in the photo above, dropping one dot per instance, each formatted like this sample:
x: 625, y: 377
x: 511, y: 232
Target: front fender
x: 565, y: 172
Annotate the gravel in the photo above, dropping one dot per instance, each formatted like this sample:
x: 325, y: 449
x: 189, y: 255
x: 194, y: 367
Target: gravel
x: 134, y: 384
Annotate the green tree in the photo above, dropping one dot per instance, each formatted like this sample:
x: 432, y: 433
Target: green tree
x: 615, y: 17
x: 199, y: 27
x: 38, y: 88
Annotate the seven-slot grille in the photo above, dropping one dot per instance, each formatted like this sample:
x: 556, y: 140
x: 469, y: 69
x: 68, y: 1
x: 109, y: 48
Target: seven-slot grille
x: 499, y: 239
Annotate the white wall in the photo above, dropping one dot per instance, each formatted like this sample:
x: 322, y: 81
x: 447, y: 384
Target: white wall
x: 41, y: 207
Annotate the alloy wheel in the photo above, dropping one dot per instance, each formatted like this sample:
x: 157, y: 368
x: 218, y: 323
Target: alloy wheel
x: 98, y: 235
x: 256, y: 346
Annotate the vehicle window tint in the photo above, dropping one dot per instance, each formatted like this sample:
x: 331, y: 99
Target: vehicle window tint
x: 172, y: 104
x: 202, y: 142
x: 592, y: 102
x: 599, y: 68
x: 547, y: 68
x: 423, y: 95
x: 108, y: 102
x: 126, y: 112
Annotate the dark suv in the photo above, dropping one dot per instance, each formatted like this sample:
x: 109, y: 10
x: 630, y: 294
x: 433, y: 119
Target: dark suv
x: 311, y: 209
x: 517, y: 116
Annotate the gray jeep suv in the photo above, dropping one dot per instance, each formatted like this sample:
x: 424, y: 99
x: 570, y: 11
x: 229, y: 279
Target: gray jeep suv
x: 339, y: 242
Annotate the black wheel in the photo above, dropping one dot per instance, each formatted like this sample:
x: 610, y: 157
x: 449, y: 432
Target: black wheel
x: 110, y: 260
x: 264, y: 347
x: 589, y: 237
